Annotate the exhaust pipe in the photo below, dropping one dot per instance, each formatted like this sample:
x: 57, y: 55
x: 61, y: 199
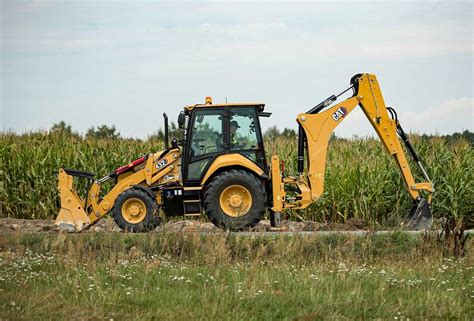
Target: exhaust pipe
x: 167, y: 144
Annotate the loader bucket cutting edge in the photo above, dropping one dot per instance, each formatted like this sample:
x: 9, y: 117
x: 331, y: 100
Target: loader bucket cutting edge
x: 71, y: 217
x: 71, y: 221
x: 420, y: 217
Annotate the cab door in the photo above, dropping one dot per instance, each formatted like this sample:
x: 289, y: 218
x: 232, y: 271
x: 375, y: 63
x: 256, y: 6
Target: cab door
x: 245, y: 136
x: 205, y: 141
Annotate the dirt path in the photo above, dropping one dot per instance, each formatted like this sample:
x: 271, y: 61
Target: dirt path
x: 9, y: 225
x: 107, y: 225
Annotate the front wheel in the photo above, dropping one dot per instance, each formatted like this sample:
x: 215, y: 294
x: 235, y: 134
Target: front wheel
x: 135, y: 211
x: 235, y: 200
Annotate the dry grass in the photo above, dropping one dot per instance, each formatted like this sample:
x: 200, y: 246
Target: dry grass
x: 229, y: 277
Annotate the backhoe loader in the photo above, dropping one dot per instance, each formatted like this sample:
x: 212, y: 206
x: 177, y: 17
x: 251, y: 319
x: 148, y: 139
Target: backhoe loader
x: 220, y: 168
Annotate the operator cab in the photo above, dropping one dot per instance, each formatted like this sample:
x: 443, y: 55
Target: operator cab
x: 214, y: 130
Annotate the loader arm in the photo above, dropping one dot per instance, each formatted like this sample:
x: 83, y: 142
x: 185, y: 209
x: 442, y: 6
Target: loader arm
x: 318, y: 125
x: 77, y: 214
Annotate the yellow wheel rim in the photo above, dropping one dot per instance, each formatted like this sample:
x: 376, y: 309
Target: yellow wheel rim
x: 235, y: 200
x: 134, y: 210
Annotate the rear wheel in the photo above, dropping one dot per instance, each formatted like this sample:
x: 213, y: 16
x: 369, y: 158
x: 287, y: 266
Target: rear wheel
x: 135, y: 211
x: 235, y: 200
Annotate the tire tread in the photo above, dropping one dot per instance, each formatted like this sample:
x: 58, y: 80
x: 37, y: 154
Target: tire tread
x: 150, y: 222
x: 212, y: 194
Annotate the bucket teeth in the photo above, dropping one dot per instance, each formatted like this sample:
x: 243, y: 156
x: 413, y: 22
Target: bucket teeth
x: 420, y: 217
x: 66, y: 227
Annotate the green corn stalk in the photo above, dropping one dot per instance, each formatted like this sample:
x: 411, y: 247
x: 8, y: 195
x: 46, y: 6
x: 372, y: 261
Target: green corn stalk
x: 362, y: 180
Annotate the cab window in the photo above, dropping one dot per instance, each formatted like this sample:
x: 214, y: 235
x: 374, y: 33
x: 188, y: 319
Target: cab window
x: 207, y: 135
x: 242, y: 129
x: 206, y: 141
x: 244, y: 134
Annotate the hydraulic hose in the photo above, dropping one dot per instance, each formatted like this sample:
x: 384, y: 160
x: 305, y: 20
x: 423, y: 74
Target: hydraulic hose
x: 301, y: 138
x: 407, y: 142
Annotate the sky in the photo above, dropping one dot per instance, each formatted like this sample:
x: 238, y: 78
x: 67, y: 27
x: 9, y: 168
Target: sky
x: 125, y: 63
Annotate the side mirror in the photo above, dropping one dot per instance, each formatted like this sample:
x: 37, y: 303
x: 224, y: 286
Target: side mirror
x: 181, y: 120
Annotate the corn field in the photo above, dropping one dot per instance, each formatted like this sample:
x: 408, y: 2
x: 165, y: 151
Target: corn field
x: 362, y: 180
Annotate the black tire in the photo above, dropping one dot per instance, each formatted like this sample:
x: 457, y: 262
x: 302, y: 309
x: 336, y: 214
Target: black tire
x: 212, y: 200
x: 150, y: 220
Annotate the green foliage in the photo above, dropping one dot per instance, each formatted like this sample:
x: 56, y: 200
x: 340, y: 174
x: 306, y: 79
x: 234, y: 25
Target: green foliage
x: 362, y: 180
x: 271, y: 133
x: 173, y: 132
x: 289, y: 133
x: 467, y: 135
x: 61, y: 127
x: 30, y: 163
x: 103, y: 132
x: 274, y: 133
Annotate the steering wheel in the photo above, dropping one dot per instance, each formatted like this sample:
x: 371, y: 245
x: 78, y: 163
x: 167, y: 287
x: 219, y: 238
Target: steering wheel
x: 238, y: 146
x: 195, y: 147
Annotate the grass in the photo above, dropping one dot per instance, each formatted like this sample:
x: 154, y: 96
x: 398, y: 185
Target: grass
x: 362, y: 181
x: 231, y: 277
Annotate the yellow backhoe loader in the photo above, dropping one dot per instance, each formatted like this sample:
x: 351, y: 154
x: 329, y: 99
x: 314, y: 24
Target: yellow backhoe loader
x: 220, y: 168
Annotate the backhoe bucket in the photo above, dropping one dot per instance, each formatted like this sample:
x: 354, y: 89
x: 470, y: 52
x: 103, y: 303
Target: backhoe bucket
x: 420, y: 217
x: 71, y: 217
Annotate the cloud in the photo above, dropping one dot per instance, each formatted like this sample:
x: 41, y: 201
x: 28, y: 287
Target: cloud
x: 282, y: 34
x: 218, y: 45
x: 409, y: 41
x: 31, y: 6
x: 92, y: 56
x: 243, y: 30
x: 454, y: 115
x: 418, y: 40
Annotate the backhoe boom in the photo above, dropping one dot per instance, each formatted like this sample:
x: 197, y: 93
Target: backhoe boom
x: 316, y: 127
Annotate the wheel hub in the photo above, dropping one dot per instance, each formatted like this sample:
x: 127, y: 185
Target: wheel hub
x: 235, y: 200
x: 134, y: 210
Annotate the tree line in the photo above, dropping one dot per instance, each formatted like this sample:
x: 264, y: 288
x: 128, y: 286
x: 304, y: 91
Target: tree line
x: 273, y: 132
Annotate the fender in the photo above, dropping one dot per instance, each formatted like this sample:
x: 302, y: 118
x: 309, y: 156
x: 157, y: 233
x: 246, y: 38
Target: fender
x: 146, y: 190
x: 232, y: 160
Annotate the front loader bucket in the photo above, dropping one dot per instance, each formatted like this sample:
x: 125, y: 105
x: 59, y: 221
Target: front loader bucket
x: 420, y: 217
x: 71, y: 217
x: 71, y: 220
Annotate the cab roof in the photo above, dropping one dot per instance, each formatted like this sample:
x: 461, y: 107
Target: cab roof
x: 209, y: 104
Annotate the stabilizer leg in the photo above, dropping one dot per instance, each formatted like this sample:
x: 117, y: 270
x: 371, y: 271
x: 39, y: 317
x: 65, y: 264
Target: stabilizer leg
x: 275, y: 219
x: 276, y: 222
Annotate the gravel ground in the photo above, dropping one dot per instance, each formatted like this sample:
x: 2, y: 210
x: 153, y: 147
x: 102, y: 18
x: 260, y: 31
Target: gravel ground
x: 107, y: 225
